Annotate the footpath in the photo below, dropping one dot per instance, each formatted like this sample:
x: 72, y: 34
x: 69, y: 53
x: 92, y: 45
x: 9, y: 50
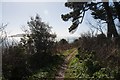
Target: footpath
x: 63, y: 67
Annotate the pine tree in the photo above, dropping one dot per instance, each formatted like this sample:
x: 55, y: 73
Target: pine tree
x: 41, y: 36
x: 100, y: 10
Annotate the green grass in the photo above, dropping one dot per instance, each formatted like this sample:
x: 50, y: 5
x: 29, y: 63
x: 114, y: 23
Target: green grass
x: 74, y: 67
x: 67, y: 52
x: 51, y: 70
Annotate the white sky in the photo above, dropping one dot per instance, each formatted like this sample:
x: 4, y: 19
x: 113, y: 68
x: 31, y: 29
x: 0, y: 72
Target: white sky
x: 0, y: 12
x: 16, y: 14
x: 51, y: 0
x: 33, y: 0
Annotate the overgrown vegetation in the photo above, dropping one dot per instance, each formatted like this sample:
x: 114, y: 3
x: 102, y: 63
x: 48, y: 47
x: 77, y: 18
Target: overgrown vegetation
x: 35, y: 56
x: 38, y: 55
x: 94, y: 61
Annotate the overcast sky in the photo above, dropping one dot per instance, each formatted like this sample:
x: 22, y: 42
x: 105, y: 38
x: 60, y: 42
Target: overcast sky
x: 33, y: 0
x: 16, y: 14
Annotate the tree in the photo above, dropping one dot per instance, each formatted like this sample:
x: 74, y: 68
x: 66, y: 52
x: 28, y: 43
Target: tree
x: 110, y: 21
x: 2, y: 38
x: 108, y: 14
x: 117, y: 7
x: 39, y: 42
x: 62, y: 45
x: 12, y: 57
x: 40, y: 35
x: 80, y: 9
x: 2, y: 32
x: 63, y: 41
x: 33, y: 54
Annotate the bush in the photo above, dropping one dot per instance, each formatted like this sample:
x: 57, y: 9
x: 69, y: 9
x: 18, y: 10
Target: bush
x: 94, y: 69
x: 34, y: 54
x: 107, y: 50
x: 15, y: 65
x: 99, y: 57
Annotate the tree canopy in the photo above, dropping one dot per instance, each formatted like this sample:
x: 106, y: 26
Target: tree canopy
x: 41, y: 36
x: 100, y: 10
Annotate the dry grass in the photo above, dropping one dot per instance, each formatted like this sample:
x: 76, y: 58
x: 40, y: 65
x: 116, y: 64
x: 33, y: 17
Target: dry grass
x: 107, y: 50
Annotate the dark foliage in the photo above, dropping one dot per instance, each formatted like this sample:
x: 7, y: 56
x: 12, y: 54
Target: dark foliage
x: 35, y: 52
x: 99, y: 57
x: 99, y: 10
x: 15, y: 63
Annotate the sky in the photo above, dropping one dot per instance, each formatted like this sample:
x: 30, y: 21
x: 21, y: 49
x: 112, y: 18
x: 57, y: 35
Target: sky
x: 16, y: 15
x: 33, y: 0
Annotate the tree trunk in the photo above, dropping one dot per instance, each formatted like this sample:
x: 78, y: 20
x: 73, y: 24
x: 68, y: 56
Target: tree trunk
x: 111, y: 26
x: 117, y: 7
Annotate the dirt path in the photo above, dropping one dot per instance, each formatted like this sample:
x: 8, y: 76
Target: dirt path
x: 63, y: 67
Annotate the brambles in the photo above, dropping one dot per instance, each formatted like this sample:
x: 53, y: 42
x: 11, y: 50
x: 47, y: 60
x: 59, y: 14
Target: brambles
x: 88, y: 67
x: 34, y: 56
x: 92, y: 60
